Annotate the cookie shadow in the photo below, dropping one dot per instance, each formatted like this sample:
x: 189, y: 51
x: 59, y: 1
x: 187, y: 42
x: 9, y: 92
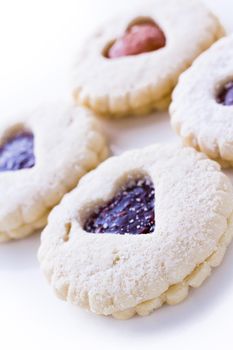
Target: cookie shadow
x: 20, y: 254
x: 138, y: 131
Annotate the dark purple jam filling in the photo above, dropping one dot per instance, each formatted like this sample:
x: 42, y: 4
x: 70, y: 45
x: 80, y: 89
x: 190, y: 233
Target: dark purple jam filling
x: 130, y: 211
x: 225, y: 97
x: 17, y: 152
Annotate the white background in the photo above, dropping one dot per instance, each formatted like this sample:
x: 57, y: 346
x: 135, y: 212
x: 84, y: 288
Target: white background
x: 38, y: 42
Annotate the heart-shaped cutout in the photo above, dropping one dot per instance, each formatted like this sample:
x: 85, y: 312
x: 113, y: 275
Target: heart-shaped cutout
x: 17, y: 152
x: 142, y: 37
x: 131, y: 210
x: 225, y: 95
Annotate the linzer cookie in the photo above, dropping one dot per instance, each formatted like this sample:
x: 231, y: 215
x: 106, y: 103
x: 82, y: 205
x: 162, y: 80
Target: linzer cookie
x: 139, y: 231
x: 202, y: 107
x: 131, y: 64
x: 42, y: 156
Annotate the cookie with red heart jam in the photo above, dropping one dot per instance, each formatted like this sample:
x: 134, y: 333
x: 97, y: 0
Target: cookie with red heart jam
x: 202, y: 103
x: 43, y: 154
x: 132, y: 63
x: 139, y: 231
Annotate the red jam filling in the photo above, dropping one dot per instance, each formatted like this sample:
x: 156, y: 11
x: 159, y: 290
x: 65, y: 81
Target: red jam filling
x: 225, y: 96
x: 130, y: 211
x: 17, y: 152
x: 139, y: 38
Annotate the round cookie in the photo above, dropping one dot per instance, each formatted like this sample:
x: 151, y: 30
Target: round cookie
x: 202, y: 103
x: 42, y: 156
x: 139, y: 231
x: 131, y: 64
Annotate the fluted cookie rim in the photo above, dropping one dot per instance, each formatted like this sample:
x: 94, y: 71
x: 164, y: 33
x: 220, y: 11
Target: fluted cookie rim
x: 139, y: 90
x: 196, y: 115
x: 82, y: 148
x: 64, y: 249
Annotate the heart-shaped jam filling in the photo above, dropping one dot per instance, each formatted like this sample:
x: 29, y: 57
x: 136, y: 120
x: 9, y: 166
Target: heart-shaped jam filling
x: 138, y: 38
x: 130, y: 211
x: 225, y: 97
x: 17, y: 152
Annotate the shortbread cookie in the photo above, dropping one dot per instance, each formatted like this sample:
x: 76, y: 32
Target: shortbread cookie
x: 42, y: 156
x: 202, y: 107
x: 131, y: 64
x: 138, y: 231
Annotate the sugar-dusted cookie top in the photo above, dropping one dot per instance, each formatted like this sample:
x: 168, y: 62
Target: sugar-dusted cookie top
x: 43, y: 154
x: 131, y: 64
x: 202, y: 107
x: 138, y: 231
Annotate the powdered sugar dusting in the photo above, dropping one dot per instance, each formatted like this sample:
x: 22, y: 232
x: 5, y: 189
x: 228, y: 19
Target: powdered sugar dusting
x: 112, y: 273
